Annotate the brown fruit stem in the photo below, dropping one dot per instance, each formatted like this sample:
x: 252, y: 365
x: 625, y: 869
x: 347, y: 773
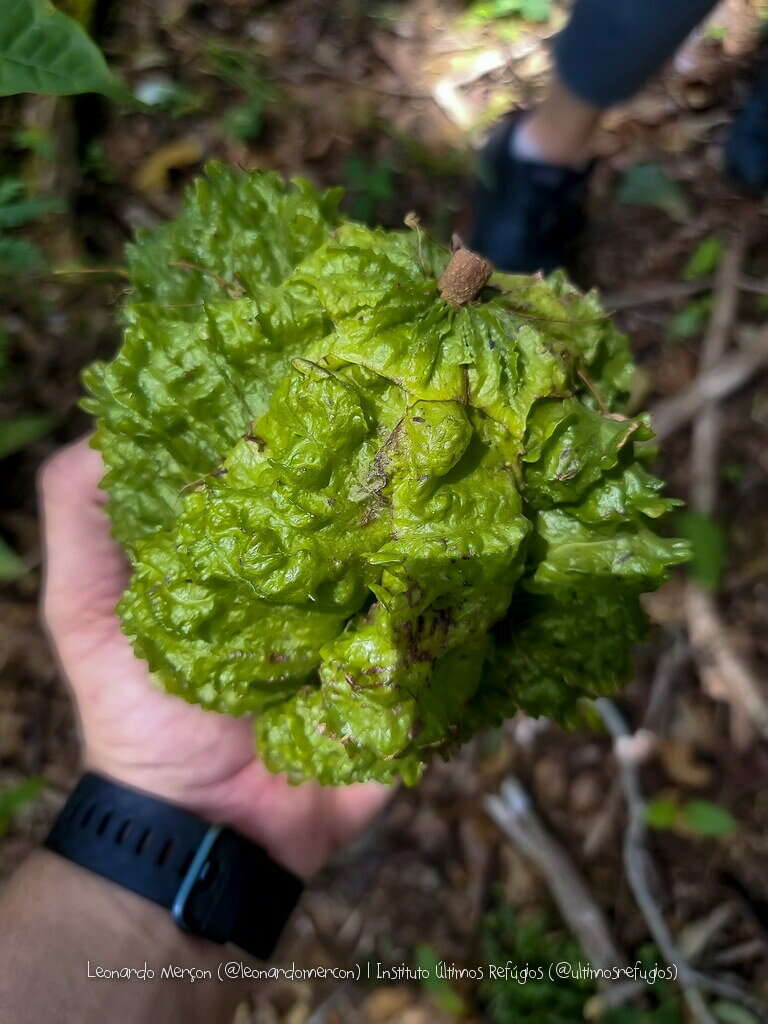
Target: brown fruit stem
x: 464, y: 277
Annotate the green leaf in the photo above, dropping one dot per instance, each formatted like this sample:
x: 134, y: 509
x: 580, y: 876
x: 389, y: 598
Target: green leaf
x: 649, y: 185
x: 662, y: 812
x: 18, y: 255
x: 11, y: 566
x: 733, y: 472
x: 43, y: 50
x: 731, y: 1013
x: 691, y: 319
x: 16, y: 210
x: 705, y: 259
x: 36, y: 140
x: 13, y: 799
x: 535, y: 10
x: 18, y: 432
x: 708, y: 545
x: 5, y: 343
x: 708, y: 819
x: 701, y: 817
x: 528, y: 10
x: 441, y: 990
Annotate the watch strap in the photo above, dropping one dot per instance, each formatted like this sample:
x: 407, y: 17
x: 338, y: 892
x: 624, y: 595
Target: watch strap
x: 216, y: 883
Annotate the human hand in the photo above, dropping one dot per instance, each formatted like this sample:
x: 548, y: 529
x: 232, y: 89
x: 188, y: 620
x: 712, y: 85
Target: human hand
x: 145, y: 738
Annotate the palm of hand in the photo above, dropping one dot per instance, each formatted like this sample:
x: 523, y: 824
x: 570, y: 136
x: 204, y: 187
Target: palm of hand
x: 139, y: 735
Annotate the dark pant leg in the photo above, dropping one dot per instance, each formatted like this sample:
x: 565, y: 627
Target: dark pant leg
x: 610, y: 48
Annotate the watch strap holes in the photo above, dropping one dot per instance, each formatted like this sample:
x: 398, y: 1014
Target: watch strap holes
x: 143, y: 840
x: 123, y: 831
x: 165, y: 852
x: 101, y: 828
x: 185, y: 864
x: 89, y: 810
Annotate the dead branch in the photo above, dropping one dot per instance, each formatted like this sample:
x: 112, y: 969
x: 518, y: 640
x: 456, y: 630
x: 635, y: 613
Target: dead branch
x: 649, y: 296
x: 720, y: 665
x: 727, y: 376
x: 637, y: 864
x: 706, y: 428
x: 669, y: 291
x: 668, y: 667
x: 751, y: 284
x: 513, y: 812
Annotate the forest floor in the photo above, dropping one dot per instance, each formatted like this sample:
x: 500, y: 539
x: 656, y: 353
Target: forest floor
x: 389, y: 100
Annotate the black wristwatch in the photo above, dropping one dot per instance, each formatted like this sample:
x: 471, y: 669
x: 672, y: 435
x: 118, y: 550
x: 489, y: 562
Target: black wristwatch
x: 216, y: 884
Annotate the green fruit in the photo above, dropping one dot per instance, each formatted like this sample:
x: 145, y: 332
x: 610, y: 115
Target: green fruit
x: 377, y: 512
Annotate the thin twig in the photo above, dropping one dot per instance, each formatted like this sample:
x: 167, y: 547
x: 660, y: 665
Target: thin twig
x: 706, y: 428
x: 667, y: 292
x: 728, y: 375
x: 68, y: 271
x: 671, y: 661
x: 513, y: 812
x: 357, y: 83
x: 719, y: 663
x: 637, y: 865
x: 234, y: 290
x: 751, y: 284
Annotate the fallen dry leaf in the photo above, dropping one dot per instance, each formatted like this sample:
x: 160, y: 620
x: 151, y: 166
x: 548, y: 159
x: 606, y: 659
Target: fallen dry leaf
x: 152, y: 175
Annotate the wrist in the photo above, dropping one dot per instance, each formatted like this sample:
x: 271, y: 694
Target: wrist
x: 71, y: 929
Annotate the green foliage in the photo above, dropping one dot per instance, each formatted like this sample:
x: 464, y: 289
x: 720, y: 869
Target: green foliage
x: 44, y: 50
x: 80, y: 10
x: 244, y: 121
x: 444, y: 995
x: 15, y: 434
x: 529, y: 947
x: 697, y: 817
x: 368, y: 185
x: 705, y: 259
x: 492, y: 10
x: 649, y: 185
x: 732, y: 1013
x: 16, y: 209
x: 18, y: 796
x: 19, y: 254
x: 36, y: 140
x: 708, y: 546
x: 691, y: 319
x: 733, y: 472
x: 377, y: 521
x: 11, y: 566
x: 20, y: 431
x: 662, y: 813
x: 95, y: 163
x: 707, y: 819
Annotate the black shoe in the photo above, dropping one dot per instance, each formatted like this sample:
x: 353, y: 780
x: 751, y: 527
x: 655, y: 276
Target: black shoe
x: 527, y: 215
x: 746, y: 151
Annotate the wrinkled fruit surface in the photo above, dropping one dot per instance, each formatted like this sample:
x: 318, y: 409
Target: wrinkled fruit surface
x: 377, y: 521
